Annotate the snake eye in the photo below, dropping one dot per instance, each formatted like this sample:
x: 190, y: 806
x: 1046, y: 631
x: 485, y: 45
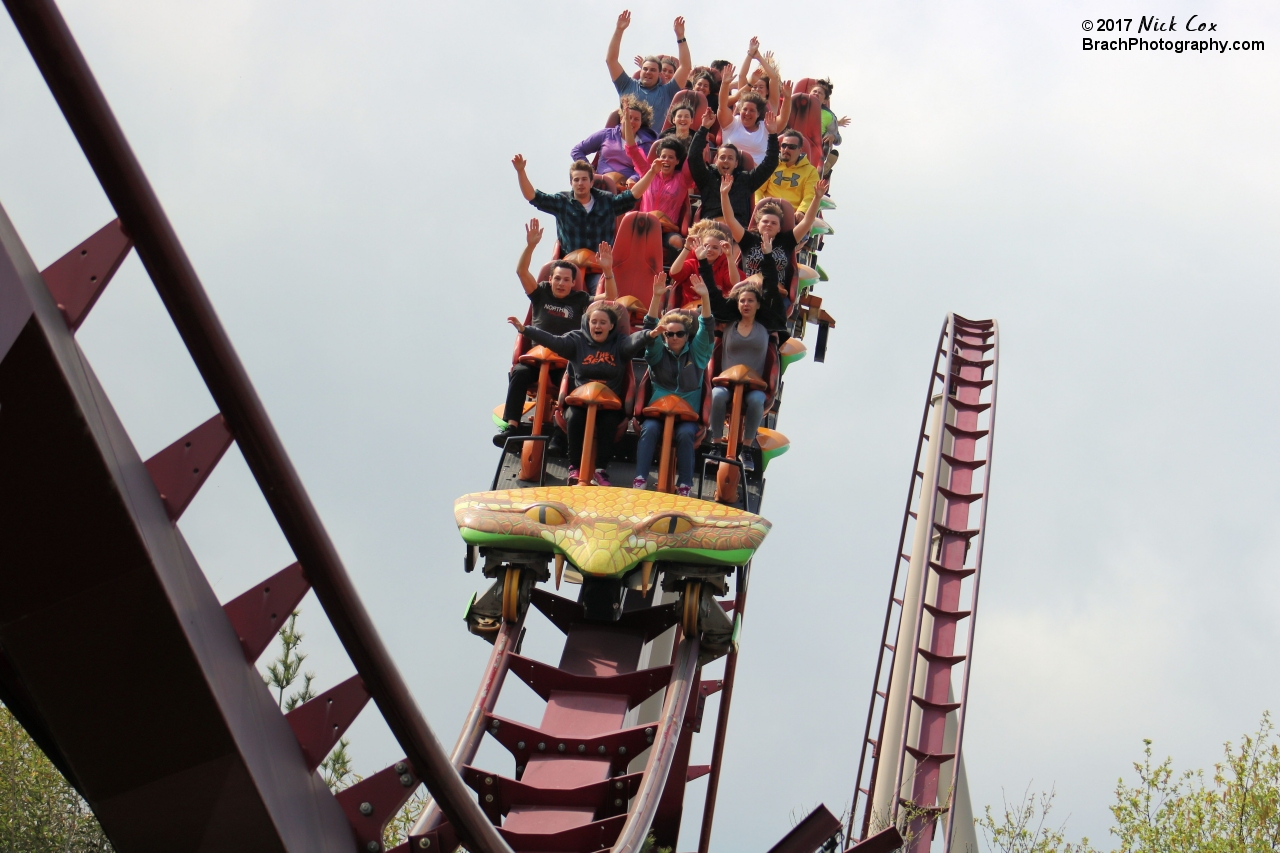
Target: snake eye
x: 671, y: 524
x: 544, y: 514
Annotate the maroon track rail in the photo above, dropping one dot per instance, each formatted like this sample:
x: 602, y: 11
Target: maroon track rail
x: 100, y: 137
x: 966, y: 351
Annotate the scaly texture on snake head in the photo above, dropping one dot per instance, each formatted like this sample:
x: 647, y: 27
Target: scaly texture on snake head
x: 607, y: 531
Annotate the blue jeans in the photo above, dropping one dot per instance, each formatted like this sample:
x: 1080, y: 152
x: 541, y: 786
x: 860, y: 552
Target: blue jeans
x: 752, y: 414
x: 647, y: 448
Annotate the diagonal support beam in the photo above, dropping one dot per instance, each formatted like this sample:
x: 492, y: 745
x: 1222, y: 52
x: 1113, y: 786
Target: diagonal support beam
x: 320, y: 722
x: 181, y: 468
x: 77, y: 279
x: 371, y: 803
x: 257, y: 615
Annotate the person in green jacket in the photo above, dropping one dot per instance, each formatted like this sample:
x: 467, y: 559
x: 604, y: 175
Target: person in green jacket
x: 676, y: 366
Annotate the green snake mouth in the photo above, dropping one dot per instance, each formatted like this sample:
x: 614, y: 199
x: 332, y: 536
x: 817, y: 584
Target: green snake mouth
x: 700, y: 556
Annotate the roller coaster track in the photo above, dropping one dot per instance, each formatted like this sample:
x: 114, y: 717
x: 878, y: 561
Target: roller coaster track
x: 199, y: 759
x: 911, y: 769
x: 202, y: 759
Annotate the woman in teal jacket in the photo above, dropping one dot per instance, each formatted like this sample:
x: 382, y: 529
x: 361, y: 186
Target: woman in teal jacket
x: 676, y: 366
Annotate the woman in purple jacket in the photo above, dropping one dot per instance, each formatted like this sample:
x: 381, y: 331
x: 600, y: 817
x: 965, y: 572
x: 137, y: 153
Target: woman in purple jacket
x: 614, y: 161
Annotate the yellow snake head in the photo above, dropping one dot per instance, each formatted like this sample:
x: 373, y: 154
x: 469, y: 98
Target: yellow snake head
x: 607, y: 531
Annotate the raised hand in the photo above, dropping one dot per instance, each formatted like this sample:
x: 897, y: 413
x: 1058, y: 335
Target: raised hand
x: 628, y: 135
x: 519, y: 326
x: 771, y: 122
x: 639, y: 61
x: 691, y: 243
x: 787, y: 88
x: 700, y: 251
x: 533, y: 233
x: 844, y: 121
x: 624, y: 20
x: 519, y: 162
x: 660, y: 284
x: 699, y: 286
x: 605, y: 257
x: 726, y: 184
x: 767, y: 59
x: 679, y: 27
x: 708, y: 119
x: 753, y: 46
x: 820, y: 189
x: 727, y: 75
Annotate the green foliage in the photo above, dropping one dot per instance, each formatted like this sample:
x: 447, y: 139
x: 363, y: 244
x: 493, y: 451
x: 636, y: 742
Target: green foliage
x: 1238, y: 811
x: 397, y: 830
x: 283, y: 671
x: 336, y: 768
x: 1022, y: 827
x: 39, y: 811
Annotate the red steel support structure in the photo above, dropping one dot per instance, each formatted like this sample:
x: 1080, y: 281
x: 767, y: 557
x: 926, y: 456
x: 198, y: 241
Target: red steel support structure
x: 910, y: 770
x: 265, y: 805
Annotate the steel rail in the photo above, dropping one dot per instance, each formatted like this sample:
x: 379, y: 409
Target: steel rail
x: 77, y: 93
x: 473, y: 728
x: 722, y: 718
x: 977, y: 579
x: 631, y: 839
x: 888, y: 621
x: 928, y: 509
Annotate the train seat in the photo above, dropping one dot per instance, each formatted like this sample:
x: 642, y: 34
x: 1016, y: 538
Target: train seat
x: 806, y: 117
x: 637, y: 255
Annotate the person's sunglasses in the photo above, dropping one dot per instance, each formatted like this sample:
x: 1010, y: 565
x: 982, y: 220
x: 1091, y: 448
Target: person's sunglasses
x: 674, y: 334
x: 788, y: 145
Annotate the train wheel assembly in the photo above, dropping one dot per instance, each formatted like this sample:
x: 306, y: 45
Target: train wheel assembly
x: 692, y: 608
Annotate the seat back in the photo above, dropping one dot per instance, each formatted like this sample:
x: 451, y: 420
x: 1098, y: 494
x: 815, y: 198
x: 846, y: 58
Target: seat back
x: 637, y: 255
x: 788, y: 224
x: 770, y: 375
x: 687, y: 97
x: 806, y: 117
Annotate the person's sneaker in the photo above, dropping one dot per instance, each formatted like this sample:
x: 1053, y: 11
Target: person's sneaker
x: 573, y: 476
x: 602, y: 478
x: 682, y: 491
x: 558, y: 447
x: 748, y: 461
x: 507, y: 431
x: 639, y: 482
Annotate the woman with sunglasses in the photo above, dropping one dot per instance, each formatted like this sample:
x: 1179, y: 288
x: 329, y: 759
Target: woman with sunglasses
x: 676, y: 366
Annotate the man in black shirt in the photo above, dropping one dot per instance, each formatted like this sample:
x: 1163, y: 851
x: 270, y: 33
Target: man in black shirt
x: 557, y: 307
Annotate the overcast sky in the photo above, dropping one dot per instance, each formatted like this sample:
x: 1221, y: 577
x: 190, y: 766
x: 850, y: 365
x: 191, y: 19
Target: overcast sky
x: 339, y: 174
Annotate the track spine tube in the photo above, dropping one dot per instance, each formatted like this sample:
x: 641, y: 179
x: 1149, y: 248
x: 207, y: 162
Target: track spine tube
x: 929, y: 509
x: 977, y: 580
x: 82, y: 102
x: 722, y: 720
x: 644, y: 805
x: 888, y: 620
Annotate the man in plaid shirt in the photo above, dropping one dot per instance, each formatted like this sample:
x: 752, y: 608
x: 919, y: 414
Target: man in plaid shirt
x: 585, y: 216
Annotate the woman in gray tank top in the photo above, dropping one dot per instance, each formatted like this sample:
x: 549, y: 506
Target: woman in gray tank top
x: 744, y: 342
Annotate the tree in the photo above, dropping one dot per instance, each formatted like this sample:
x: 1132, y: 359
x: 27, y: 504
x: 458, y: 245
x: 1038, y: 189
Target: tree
x: 1238, y: 811
x: 1022, y: 828
x: 39, y: 810
x: 283, y: 671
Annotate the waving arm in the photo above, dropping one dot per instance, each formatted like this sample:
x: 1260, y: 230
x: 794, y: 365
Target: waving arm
x: 532, y: 236
x: 615, y: 46
x: 803, y: 226
x: 726, y: 208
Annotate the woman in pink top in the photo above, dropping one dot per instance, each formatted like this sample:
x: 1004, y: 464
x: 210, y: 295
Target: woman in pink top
x: 668, y: 194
